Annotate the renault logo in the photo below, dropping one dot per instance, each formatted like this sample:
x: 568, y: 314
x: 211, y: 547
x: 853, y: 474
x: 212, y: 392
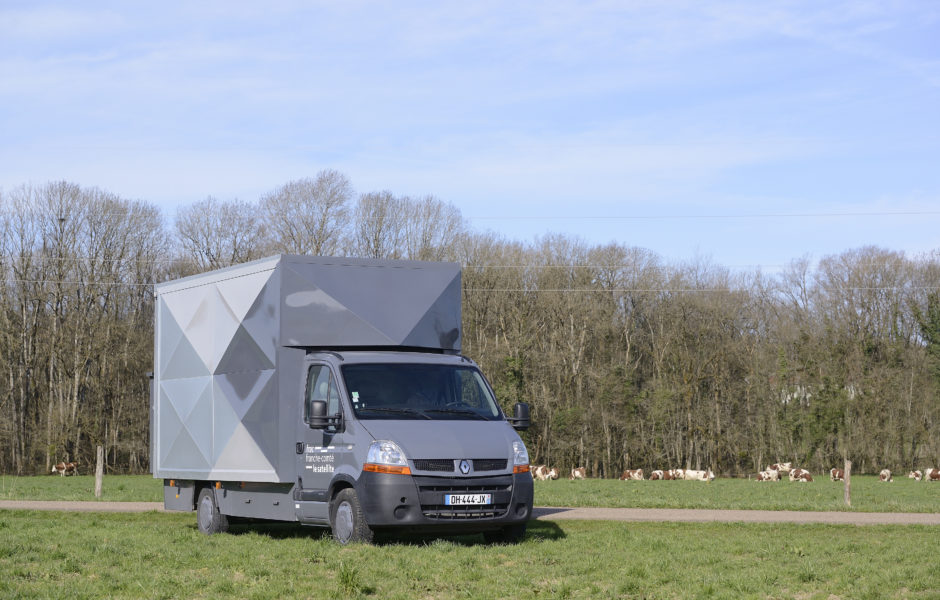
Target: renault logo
x: 464, y: 466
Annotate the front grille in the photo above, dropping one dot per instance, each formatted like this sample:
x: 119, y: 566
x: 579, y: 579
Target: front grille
x: 489, y: 464
x: 443, y: 465
x: 431, y: 491
x: 446, y: 465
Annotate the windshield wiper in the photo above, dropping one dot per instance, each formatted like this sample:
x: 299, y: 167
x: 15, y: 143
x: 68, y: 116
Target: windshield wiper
x: 396, y: 410
x: 458, y: 411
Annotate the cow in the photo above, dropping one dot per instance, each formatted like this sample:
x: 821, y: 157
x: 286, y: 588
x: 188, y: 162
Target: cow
x: 677, y: 473
x: 836, y: 474
x: 65, y: 468
x: 578, y: 473
x: 698, y: 475
x: 657, y: 475
x: 915, y: 475
x: 768, y: 476
x: 931, y: 474
x: 632, y: 474
x: 540, y: 472
x: 801, y: 475
x: 553, y: 473
x: 672, y: 474
x: 782, y: 468
x: 885, y: 475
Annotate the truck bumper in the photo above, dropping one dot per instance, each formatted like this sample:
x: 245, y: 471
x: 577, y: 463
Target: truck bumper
x: 417, y: 502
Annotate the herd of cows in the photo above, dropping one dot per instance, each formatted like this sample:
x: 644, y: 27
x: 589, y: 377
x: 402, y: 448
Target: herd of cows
x: 774, y: 472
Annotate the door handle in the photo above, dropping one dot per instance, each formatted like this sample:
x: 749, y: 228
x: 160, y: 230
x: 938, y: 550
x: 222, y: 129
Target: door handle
x: 300, y: 447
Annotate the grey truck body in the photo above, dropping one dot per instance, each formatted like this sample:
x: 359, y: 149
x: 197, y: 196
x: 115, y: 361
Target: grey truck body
x: 242, y: 353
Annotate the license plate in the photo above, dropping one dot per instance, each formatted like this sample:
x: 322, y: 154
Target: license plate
x: 467, y: 499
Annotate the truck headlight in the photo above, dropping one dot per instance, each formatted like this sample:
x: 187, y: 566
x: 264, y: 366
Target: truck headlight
x: 520, y: 458
x: 386, y: 457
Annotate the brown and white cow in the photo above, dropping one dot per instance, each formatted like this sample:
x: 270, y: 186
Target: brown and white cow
x: 632, y: 475
x: 539, y: 472
x: 578, y: 473
x: 915, y: 475
x: 801, y: 475
x: 782, y: 468
x: 553, y: 473
x: 931, y: 474
x: 768, y: 476
x: 672, y: 474
x: 836, y: 474
x: 65, y: 468
x: 885, y: 475
x: 695, y: 475
x: 657, y: 475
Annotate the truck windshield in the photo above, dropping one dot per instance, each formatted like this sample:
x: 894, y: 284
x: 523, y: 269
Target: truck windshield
x: 419, y: 391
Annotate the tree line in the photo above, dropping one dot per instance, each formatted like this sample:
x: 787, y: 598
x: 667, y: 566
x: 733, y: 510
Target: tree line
x: 627, y: 360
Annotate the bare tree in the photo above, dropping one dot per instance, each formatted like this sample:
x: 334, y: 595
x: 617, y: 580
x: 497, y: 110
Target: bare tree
x: 378, y: 226
x: 431, y: 228
x: 309, y: 216
x: 215, y: 234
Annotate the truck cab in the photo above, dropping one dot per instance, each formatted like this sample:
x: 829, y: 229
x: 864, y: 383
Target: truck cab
x: 407, y: 440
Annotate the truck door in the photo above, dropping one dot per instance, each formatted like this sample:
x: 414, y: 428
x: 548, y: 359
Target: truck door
x: 319, y: 451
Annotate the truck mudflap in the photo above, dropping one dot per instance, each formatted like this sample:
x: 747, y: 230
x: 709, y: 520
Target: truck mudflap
x: 437, y: 503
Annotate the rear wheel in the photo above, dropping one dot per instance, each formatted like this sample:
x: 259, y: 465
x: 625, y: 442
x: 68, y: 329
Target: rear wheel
x: 208, y: 518
x: 349, y: 526
x: 510, y: 534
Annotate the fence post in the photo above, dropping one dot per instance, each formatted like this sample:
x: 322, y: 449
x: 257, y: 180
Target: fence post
x: 848, y: 482
x: 99, y: 470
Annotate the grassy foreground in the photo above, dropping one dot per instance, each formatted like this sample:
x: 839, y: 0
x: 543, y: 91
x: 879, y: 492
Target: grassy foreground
x: 868, y: 494
x: 161, y: 555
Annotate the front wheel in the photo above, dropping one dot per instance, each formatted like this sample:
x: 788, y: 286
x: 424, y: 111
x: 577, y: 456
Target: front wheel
x: 510, y: 534
x: 208, y: 518
x: 346, y: 519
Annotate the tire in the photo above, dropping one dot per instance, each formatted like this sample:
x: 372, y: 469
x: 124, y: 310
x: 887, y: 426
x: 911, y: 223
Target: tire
x: 346, y: 519
x: 510, y: 534
x: 208, y: 518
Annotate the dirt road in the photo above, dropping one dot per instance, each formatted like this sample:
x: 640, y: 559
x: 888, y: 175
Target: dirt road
x: 595, y: 514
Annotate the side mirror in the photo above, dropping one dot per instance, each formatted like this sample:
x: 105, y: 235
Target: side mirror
x: 520, y: 416
x: 318, y: 418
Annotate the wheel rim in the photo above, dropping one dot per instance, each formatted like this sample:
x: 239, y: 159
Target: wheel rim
x: 343, y: 525
x: 205, y: 513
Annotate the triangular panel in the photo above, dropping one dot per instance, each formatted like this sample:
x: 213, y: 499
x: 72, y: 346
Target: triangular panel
x: 242, y: 454
x: 169, y: 335
x: 169, y: 427
x: 243, y: 354
x: 184, y: 362
x: 311, y: 317
x: 199, y: 422
x: 185, y: 454
x: 183, y: 394
x: 242, y: 390
x: 437, y: 328
x: 240, y: 293
x: 262, y: 319
x: 183, y: 304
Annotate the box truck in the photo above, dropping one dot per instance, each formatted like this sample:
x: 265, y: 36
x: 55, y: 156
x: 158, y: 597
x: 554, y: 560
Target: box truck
x: 331, y: 392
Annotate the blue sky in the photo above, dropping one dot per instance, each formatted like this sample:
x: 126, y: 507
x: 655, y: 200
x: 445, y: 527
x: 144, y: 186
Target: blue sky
x: 749, y: 133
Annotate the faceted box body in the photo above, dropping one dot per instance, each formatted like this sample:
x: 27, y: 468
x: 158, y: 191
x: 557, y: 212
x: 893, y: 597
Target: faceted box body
x: 229, y: 347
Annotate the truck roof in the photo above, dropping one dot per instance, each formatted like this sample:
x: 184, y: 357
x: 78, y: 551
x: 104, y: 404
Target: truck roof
x: 392, y: 356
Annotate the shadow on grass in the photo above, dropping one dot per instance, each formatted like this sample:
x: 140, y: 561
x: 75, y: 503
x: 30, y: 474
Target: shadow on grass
x: 536, y: 531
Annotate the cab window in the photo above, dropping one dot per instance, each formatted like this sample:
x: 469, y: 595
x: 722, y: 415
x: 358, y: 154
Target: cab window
x: 322, y: 386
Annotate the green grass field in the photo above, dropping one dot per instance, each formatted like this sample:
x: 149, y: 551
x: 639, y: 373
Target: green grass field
x: 868, y: 494
x: 162, y: 555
